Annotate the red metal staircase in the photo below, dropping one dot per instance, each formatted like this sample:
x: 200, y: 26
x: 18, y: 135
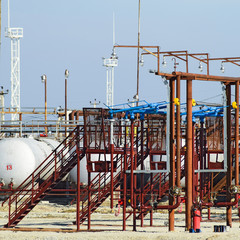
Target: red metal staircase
x: 53, y: 169
x: 102, y: 183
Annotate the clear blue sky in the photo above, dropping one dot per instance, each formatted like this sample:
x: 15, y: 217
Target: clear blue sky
x: 76, y: 35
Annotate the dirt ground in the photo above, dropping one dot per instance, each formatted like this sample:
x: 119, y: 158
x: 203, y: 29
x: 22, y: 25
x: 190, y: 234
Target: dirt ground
x: 53, y: 221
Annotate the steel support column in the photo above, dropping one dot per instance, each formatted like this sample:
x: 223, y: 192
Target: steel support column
x: 237, y: 134
x: 229, y: 155
x: 111, y: 153
x: 78, y: 181
x: 172, y: 152
x: 142, y: 167
x: 178, y: 135
x: 133, y: 200
x: 89, y: 196
x: 188, y: 164
x: 125, y: 180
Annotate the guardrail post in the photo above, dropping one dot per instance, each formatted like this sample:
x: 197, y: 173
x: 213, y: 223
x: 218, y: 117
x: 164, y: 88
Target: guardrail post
x: 55, y: 165
x: 9, y: 210
x: 32, y: 187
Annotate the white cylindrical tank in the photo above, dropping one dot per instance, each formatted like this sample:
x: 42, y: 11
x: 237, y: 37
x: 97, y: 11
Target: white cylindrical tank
x: 83, y: 170
x: 19, y: 157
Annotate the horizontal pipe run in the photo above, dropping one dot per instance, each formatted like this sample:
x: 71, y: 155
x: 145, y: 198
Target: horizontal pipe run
x: 222, y: 204
x: 167, y: 207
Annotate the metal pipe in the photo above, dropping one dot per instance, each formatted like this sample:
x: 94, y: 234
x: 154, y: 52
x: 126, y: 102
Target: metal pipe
x: 201, y: 152
x: 172, y: 152
x: 178, y: 135
x: 168, y: 207
x: 78, y: 182
x: 142, y: 167
x: 89, y: 196
x: 132, y: 160
x: 222, y: 204
x: 66, y: 105
x: 229, y: 155
x: 237, y: 134
x: 188, y: 165
x: 111, y: 153
x: 112, y: 166
x: 125, y: 180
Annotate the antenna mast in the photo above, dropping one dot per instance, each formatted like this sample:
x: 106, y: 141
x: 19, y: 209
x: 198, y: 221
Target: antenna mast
x: 14, y: 34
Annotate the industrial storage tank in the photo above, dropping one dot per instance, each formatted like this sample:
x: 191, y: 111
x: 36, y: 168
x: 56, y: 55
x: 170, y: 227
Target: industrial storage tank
x: 101, y: 157
x: 19, y: 157
x: 83, y: 170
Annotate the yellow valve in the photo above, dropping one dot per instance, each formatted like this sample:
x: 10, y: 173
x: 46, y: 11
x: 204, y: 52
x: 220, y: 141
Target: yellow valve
x: 176, y: 101
x: 234, y: 105
x: 194, y: 102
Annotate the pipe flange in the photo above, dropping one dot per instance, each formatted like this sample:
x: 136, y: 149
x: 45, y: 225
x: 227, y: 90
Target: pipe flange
x: 175, y: 191
x: 234, y: 189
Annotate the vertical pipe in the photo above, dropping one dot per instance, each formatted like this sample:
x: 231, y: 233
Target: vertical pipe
x: 111, y: 152
x: 158, y: 54
x: 207, y: 64
x: 65, y: 107
x: 188, y: 171
x: 237, y: 134
x: 178, y: 135
x: 194, y: 164
x: 172, y: 152
x: 78, y: 181
x: 132, y: 159
x: 201, y: 158
x: 112, y: 168
x: 125, y: 180
x: 142, y: 176
x: 229, y: 155
x: 89, y: 196
x: 151, y: 191
x: 45, y: 89
x: 9, y: 210
x: 132, y: 175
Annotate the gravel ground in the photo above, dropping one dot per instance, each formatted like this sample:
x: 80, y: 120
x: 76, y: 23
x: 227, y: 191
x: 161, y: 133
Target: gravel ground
x: 53, y: 221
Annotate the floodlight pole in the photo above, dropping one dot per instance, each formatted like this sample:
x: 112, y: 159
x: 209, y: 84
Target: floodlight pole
x: 66, y: 118
x: 44, y: 80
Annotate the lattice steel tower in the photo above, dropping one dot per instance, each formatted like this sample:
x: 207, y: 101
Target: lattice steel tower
x: 14, y: 34
x: 110, y: 63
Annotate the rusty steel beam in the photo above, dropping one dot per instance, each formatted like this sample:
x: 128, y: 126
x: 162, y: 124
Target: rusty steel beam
x: 125, y: 180
x: 237, y: 134
x: 172, y: 152
x: 134, y: 46
x: 229, y: 156
x: 202, y: 77
x: 26, y: 112
x: 224, y: 58
x: 78, y: 184
x: 188, y: 164
x: 178, y: 135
